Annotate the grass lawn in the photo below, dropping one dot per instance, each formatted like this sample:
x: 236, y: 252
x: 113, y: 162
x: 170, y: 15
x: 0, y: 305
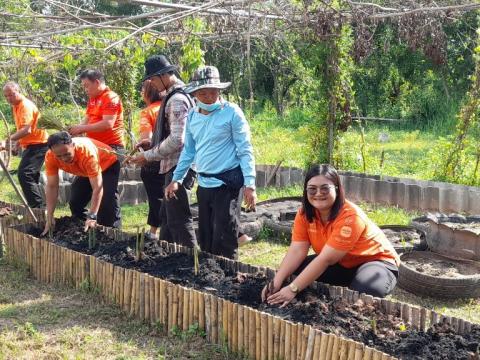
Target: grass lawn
x: 39, y: 321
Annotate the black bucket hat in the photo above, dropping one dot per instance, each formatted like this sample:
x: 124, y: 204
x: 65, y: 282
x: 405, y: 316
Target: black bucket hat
x: 157, y: 65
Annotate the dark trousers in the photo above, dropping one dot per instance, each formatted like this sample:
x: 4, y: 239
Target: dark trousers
x: 154, y: 185
x: 81, y: 193
x: 218, y: 220
x: 376, y: 278
x: 175, y: 214
x: 29, y: 174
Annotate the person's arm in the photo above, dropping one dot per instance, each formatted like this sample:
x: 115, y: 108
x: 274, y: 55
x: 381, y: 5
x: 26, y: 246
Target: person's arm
x: 96, y: 182
x: 107, y: 123
x: 51, y: 196
x: 21, y: 133
x: 297, y: 252
x: 176, y: 112
x: 184, y: 162
x: 241, y: 138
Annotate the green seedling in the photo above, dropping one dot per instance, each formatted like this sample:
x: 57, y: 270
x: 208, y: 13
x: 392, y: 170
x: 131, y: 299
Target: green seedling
x: 140, y: 243
x: 402, y: 327
x: 92, y: 238
x: 196, y: 263
x: 373, y: 324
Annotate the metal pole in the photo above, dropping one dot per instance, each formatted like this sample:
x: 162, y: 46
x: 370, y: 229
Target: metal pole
x: 19, y: 193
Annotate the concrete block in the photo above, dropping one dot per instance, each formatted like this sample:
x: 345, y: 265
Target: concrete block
x: 284, y: 177
x: 383, y: 192
x: 473, y: 202
x: 413, y: 196
x: 296, y: 176
x: 430, y: 199
x: 398, y: 194
x: 260, y: 178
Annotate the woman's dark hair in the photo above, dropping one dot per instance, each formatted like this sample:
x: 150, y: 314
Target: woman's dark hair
x: 331, y: 174
x: 150, y: 92
x: 92, y: 75
x: 59, y: 138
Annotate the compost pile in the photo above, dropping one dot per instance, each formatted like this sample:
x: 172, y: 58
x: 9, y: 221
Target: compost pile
x: 360, y: 321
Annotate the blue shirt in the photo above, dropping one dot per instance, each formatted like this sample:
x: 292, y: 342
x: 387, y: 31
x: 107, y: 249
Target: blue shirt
x: 217, y: 142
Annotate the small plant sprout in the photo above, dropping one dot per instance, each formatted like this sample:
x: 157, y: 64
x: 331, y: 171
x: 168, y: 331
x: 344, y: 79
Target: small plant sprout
x: 140, y: 243
x: 403, y: 242
x: 373, y: 324
x: 382, y: 138
x: 402, y: 327
x: 196, y: 263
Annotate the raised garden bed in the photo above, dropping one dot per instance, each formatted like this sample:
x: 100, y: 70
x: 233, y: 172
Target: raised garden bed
x: 307, y: 329
x: 405, y: 238
x: 430, y: 274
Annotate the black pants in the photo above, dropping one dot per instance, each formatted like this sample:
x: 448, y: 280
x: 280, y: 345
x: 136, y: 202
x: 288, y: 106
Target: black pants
x: 175, y: 214
x: 218, y: 220
x: 29, y: 174
x: 376, y: 278
x: 154, y: 185
x: 81, y: 193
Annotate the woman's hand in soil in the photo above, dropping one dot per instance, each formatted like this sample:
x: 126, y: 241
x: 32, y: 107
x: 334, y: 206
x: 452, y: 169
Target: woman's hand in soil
x: 282, y: 297
x: 170, y: 190
x: 49, y: 225
x: 269, y: 289
x: 89, y: 223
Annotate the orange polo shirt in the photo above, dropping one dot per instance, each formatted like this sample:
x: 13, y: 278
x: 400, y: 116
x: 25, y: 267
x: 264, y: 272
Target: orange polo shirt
x: 106, y: 103
x: 352, y: 231
x: 89, y: 159
x: 148, y: 117
x: 25, y: 113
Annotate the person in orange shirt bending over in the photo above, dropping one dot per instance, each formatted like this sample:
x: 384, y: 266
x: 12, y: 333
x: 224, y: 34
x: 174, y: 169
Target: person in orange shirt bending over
x: 97, y: 171
x: 350, y: 250
x: 153, y: 181
x: 104, y: 116
x: 33, y: 141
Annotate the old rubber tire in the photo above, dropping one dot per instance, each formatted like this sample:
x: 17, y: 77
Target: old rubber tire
x: 436, y: 286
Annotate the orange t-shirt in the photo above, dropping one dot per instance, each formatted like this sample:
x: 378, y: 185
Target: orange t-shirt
x: 352, y: 231
x: 148, y: 117
x: 107, y: 103
x: 89, y: 159
x: 24, y: 113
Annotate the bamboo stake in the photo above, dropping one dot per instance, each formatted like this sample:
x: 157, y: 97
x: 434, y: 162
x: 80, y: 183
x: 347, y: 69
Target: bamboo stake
x: 191, y: 308
x: 288, y: 340
x: 240, y: 332
x: 368, y: 353
x: 330, y: 343
x: 300, y: 339
x: 142, y: 294
x: 186, y: 303
x: 225, y: 320
x: 310, y: 347
x: 377, y: 355
x: 343, y: 349
x: 180, y: 291
x: 165, y: 301
x: 157, y: 299
x: 317, y: 344
x: 170, y: 290
x: 214, y: 318
x: 359, y: 350
x: 174, y: 306
x: 246, y: 327
x: 220, y: 329
x: 270, y: 337
x: 110, y: 282
x: 264, y: 336
x: 258, y: 335
x: 146, y: 294
x: 201, y: 311
x: 252, y: 333
x: 138, y: 295
x: 336, y: 347
x: 294, y: 337
x: 234, y: 327
x: 208, y: 314
x: 195, y: 308
x: 127, y: 291
x: 281, y: 351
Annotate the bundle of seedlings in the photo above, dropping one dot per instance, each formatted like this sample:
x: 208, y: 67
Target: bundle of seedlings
x: 50, y: 119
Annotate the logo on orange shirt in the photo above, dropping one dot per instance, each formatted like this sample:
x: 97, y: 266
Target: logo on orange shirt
x: 346, y: 231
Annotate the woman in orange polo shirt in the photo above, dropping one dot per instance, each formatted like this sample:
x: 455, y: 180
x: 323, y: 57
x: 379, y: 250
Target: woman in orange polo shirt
x: 152, y: 179
x: 350, y: 250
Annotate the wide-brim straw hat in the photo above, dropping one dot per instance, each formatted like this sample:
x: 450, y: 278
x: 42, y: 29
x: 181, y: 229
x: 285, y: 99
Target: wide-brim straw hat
x: 206, y: 77
x: 157, y: 65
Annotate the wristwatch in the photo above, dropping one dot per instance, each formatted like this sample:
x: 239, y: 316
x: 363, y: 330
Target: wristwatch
x: 92, y: 216
x: 293, y: 288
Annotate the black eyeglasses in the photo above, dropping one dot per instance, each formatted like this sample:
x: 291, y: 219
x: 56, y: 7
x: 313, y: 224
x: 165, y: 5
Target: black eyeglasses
x: 324, y: 189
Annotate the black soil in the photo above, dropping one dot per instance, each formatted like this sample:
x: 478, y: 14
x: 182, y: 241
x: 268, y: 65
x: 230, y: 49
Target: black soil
x: 361, y: 322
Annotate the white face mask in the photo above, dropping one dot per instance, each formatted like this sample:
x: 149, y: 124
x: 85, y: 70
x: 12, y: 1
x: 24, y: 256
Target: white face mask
x: 209, y: 107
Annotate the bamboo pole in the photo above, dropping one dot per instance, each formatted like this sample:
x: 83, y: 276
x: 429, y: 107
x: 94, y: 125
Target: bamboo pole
x: 157, y: 299
x: 300, y: 335
x: 191, y: 307
x: 165, y: 301
x: 288, y: 340
x: 180, y: 291
x: 208, y: 315
x: 142, y: 296
x: 137, y: 294
x: 220, y: 330
x: 317, y: 345
x: 264, y: 336
x: 330, y: 343
x: 225, y: 321
x: 230, y: 307
x: 336, y: 347
x: 195, y: 308
x: 201, y: 310
x: 359, y: 351
x: 281, y: 350
x: 151, y: 305
x: 240, y: 328
x: 368, y: 353
x: 377, y: 355
x: 170, y: 289
x: 258, y: 335
x: 146, y: 297
x: 252, y: 333
x: 186, y: 310
x: 270, y: 337
x: 310, y: 347
x: 294, y: 339
x: 127, y: 291
x: 234, y: 327
x: 214, y: 318
x: 174, y: 306
x: 343, y: 349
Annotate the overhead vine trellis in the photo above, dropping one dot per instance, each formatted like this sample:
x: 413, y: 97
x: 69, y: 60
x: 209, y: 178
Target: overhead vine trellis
x: 419, y: 25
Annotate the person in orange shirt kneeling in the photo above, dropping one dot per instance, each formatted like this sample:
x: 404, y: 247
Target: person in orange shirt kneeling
x: 97, y: 169
x: 31, y: 139
x: 350, y: 250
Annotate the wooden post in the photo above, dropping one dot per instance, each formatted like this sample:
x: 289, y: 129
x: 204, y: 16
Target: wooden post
x: 240, y: 327
x: 330, y: 344
x: 317, y: 345
x: 175, y: 306
x: 258, y: 335
x: 191, y: 308
x: 208, y: 314
x: 180, y: 291
x: 264, y: 336
x: 281, y: 351
x: 214, y: 318
x: 234, y: 327
x: 288, y: 341
x: 165, y: 300
x: 310, y: 348
x: 252, y: 333
x: 195, y: 307
x: 201, y: 310
x: 142, y: 296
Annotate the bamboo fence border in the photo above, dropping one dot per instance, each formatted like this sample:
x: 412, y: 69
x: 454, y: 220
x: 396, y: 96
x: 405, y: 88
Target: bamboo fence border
x: 260, y: 335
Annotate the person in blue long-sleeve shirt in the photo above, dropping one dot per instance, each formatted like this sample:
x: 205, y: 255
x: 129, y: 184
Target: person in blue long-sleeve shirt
x: 217, y: 140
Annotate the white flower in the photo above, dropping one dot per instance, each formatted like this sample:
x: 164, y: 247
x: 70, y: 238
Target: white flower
x: 383, y: 137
